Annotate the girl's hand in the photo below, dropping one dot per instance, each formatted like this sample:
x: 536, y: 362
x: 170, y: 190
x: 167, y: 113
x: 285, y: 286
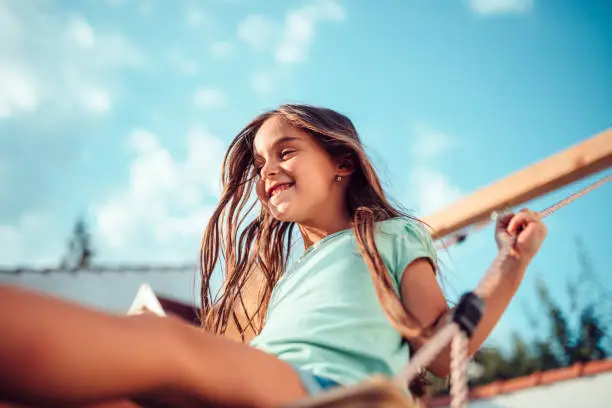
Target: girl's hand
x: 528, y: 230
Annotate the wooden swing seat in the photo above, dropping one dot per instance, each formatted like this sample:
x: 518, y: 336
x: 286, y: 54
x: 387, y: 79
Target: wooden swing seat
x: 376, y: 392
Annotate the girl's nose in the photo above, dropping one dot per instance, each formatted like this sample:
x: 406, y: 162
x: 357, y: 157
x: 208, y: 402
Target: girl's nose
x: 269, y: 170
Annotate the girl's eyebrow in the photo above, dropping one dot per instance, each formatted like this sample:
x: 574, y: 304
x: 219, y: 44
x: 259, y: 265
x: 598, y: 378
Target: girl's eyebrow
x: 285, y: 139
x: 281, y: 140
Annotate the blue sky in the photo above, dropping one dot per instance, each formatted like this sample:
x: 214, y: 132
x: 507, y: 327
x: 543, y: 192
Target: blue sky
x: 122, y: 109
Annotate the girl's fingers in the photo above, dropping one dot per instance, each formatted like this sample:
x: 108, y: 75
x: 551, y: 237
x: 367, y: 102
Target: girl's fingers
x: 503, y: 222
x: 520, y: 221
x: 526, y: 232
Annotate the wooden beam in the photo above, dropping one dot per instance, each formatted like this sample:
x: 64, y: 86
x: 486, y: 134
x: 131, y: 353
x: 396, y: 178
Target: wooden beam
x: 577, y: 162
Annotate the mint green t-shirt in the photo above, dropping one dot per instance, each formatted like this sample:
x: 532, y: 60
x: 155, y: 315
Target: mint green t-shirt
x: 324, y: 315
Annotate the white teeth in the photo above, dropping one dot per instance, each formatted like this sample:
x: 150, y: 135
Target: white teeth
x: 280, y: 188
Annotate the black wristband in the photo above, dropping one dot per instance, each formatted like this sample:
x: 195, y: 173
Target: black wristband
x: 468, y: 312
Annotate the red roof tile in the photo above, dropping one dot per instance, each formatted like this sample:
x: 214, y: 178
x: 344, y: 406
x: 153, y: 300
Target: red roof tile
x: 561, y: 374
x: 486, y: 391
x: 516, y: 384
x: 530, y: 381
x: 597, y: 367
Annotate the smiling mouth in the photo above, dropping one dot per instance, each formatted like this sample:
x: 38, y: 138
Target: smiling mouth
x: 280, y: 188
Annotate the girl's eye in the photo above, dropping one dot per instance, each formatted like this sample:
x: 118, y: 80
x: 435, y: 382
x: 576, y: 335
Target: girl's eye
x: 285, y: 153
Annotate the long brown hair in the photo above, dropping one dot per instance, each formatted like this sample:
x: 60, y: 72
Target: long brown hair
x: 263, y: 244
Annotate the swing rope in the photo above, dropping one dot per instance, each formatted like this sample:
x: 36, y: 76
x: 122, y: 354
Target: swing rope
x: 462, y: 236
x: 463, y: 321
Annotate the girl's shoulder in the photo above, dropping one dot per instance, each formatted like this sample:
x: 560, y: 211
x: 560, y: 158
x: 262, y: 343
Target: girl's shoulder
x: 404, y: 227
x: 402, y: 240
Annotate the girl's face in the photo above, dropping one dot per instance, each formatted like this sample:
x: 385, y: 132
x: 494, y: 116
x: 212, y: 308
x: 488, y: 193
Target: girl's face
x: 296, y: 175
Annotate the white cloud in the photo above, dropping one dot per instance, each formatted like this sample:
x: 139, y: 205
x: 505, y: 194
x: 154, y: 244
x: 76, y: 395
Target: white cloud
x: 26, y: 241
x: 18, y: 90
x: 429, y: 143
x: 161, y: 211
x: 206, y: 98
x: 432, y: 190
x: 82, y: 33
x: 429, y: 189
x: 257, y: 30
x: 112, y: 51
x: 221, y: 49
x: 57, y: 61
x: 197, y: 18
x: 189, y: 67
x: 289, y: 41
x: 96, y: 100
x: 490, y: 7
x: 183, y: 64
x: 299, y: 29
x: 330, y: 10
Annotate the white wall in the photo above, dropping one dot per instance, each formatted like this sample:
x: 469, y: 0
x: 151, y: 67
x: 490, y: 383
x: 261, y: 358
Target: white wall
x: 582, y: 392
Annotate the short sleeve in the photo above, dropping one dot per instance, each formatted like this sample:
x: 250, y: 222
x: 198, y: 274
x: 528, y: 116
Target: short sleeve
x: 402, y: 241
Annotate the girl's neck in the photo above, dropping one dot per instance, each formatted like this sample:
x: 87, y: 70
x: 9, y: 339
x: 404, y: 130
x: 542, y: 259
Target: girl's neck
x: 315, y: 231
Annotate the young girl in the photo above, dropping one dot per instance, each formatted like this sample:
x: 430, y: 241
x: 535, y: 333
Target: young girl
x: 356, y: 303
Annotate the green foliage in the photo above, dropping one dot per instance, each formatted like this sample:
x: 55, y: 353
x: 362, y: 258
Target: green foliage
x: 80, y: 250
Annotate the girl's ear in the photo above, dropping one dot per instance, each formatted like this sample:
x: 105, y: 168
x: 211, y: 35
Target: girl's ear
x: 345, y: 166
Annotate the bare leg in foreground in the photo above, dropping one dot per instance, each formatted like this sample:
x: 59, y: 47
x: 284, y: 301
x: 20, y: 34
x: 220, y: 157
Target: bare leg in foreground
x: 54, y: 352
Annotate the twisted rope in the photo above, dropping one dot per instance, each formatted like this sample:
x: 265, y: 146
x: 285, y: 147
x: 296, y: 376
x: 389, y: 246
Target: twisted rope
x: 452, y: 332
x: 459, y: 361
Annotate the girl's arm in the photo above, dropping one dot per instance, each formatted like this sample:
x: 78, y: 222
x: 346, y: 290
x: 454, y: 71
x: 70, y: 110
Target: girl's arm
x: 423, y: 298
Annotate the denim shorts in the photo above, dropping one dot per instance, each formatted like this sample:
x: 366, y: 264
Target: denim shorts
x: 315, y: 384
